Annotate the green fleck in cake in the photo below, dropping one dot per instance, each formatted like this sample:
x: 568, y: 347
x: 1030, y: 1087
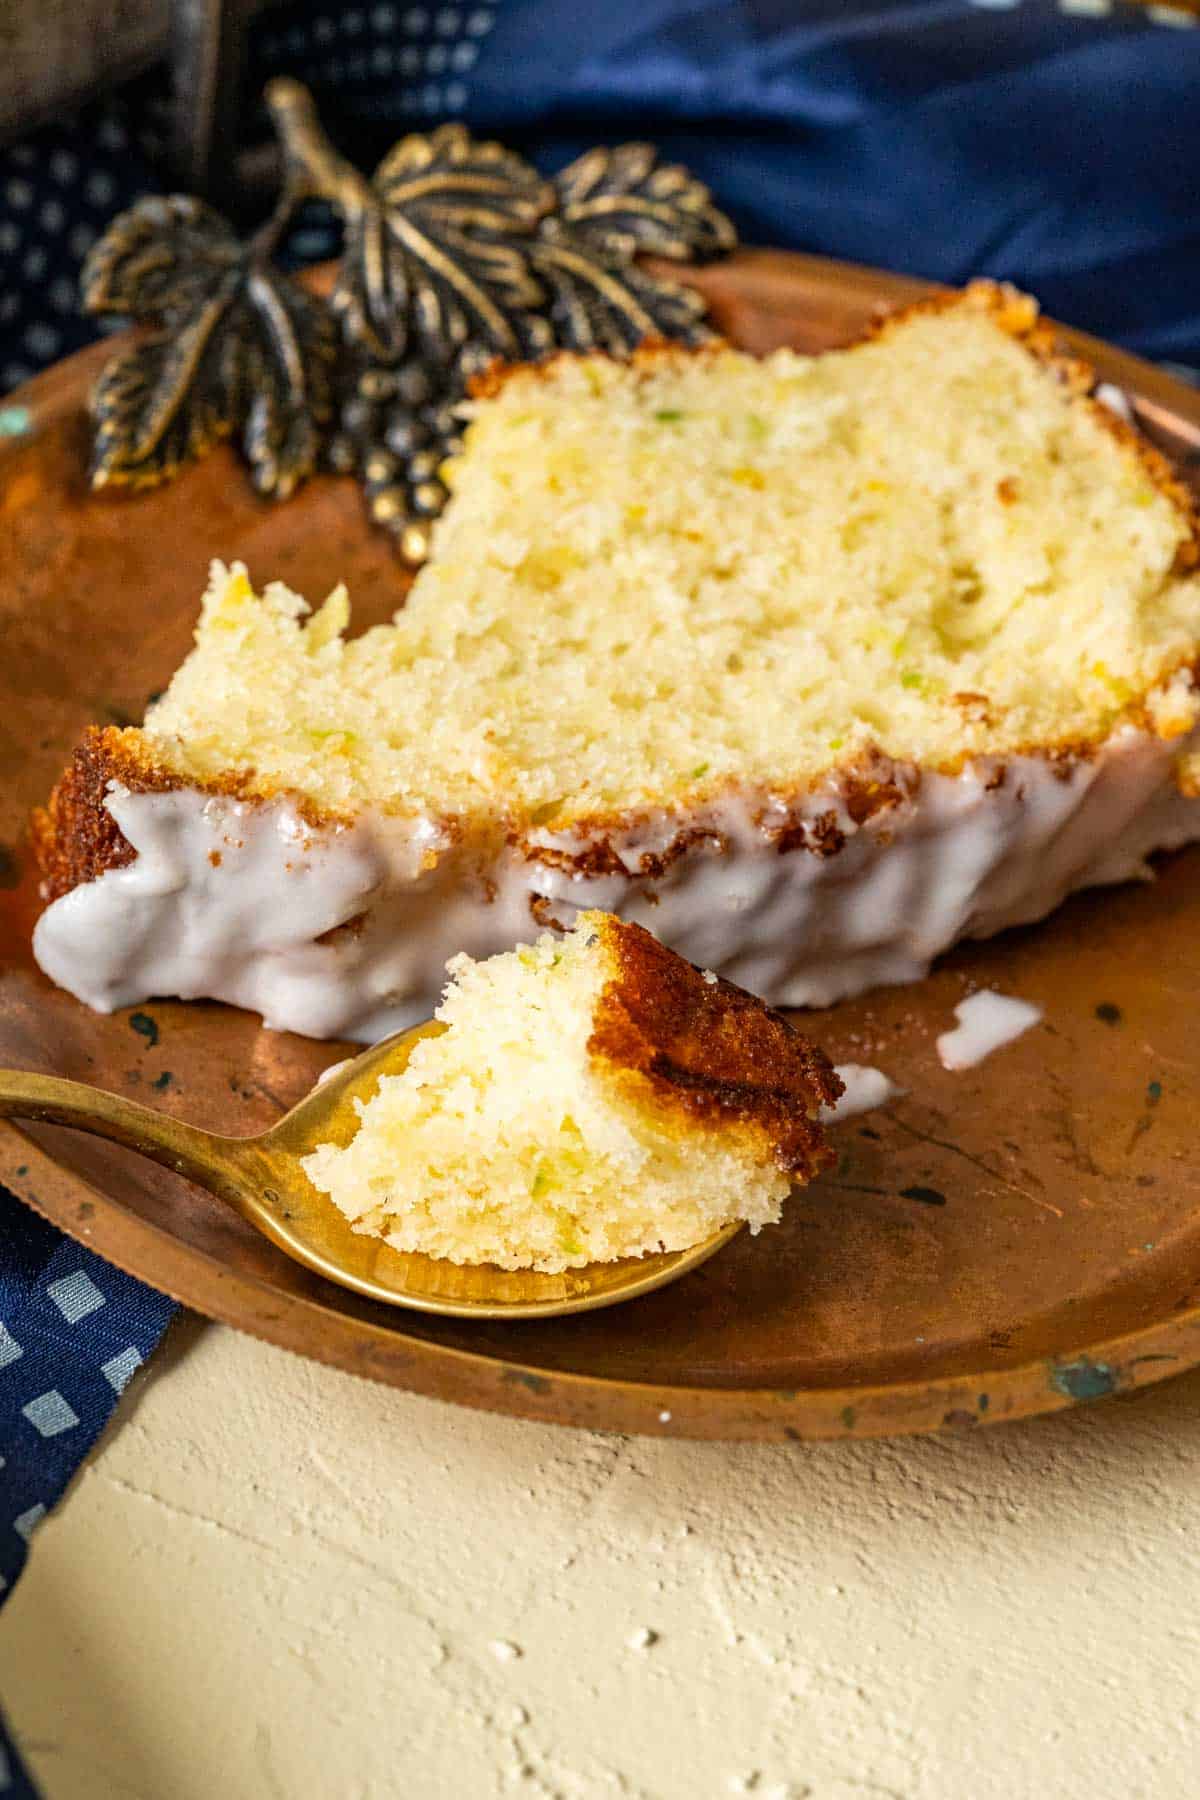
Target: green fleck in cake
x: 591, y: 1097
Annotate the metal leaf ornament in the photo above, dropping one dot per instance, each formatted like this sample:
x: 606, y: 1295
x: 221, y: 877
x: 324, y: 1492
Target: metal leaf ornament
x: 436, y: 256
x: 456, y: 252
x: 435, y: 282
x: 232, y: 346
x: 614, y: 204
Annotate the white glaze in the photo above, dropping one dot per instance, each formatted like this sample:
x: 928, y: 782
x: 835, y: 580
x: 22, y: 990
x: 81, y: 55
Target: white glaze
x: 986, y: 1021
x: 1115, y: 399
x: 956, y: 857
x: 866, y: 1088
x: 333, y: 1069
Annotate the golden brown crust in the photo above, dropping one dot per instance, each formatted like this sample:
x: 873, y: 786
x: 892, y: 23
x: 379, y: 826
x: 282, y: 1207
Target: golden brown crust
x: 711, y: 1052
x: 600, y: 856
x: 75, y: 837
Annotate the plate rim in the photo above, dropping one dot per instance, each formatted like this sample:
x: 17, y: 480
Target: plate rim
x: 486, y: 1380
x: 494, y: 1383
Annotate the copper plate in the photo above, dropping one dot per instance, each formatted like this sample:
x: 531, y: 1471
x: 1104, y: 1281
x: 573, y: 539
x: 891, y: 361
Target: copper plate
x: 1002, y: 1242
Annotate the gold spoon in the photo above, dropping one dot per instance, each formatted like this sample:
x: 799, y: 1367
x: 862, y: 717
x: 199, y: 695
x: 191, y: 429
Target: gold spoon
x: 261, y: 1178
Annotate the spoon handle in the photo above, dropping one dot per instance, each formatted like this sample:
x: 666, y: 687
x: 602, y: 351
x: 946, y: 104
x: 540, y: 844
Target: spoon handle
x: 222, y: 1165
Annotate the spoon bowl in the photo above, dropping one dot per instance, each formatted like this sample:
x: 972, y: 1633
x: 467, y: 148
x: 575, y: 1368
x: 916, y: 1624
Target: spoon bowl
x: 262, y: 1179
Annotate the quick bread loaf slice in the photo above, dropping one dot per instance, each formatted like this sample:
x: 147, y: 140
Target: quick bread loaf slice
x: 813, y: 665
x: 590, y: 1097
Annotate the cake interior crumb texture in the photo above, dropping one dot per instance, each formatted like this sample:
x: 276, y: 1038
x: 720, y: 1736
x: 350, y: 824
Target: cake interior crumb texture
x: 590, y: 1097
x: 655, y: 581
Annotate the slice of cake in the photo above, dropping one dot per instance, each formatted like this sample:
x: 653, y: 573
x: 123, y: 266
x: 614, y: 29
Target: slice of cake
x: 591, y: 1097
x: 813, y: 665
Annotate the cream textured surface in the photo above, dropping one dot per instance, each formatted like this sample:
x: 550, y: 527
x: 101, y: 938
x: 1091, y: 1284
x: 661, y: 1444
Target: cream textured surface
x: 276, y: 1582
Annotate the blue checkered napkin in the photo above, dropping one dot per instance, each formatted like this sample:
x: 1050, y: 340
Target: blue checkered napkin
x: 72, y: 1332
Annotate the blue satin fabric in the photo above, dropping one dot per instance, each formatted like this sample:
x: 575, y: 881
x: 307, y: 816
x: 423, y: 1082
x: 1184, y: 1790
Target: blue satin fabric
x: 946, y: 139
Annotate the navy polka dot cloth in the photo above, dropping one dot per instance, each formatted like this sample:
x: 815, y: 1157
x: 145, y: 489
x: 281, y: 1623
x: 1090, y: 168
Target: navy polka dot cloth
x: 953, y: 138
x: 57, y: 193
x: 415, y: 61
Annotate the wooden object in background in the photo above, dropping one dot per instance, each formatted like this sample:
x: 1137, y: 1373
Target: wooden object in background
x: 208, y: 66
x: 57, y: 53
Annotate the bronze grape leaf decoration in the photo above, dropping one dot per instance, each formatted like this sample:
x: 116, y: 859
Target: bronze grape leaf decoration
x: 232, y: 345
x: 612, y: 206
x: 436, y: 252
x: 456, y: 253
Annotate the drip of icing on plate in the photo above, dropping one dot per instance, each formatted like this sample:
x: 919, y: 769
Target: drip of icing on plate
x: 866, y: 1088
x: 986, y: 1022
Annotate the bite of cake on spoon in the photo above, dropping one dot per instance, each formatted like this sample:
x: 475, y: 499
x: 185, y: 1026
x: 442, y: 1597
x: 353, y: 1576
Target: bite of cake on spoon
x: 590, y: 1098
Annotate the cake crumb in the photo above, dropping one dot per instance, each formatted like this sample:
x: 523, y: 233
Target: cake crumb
x: 986, y: 1022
